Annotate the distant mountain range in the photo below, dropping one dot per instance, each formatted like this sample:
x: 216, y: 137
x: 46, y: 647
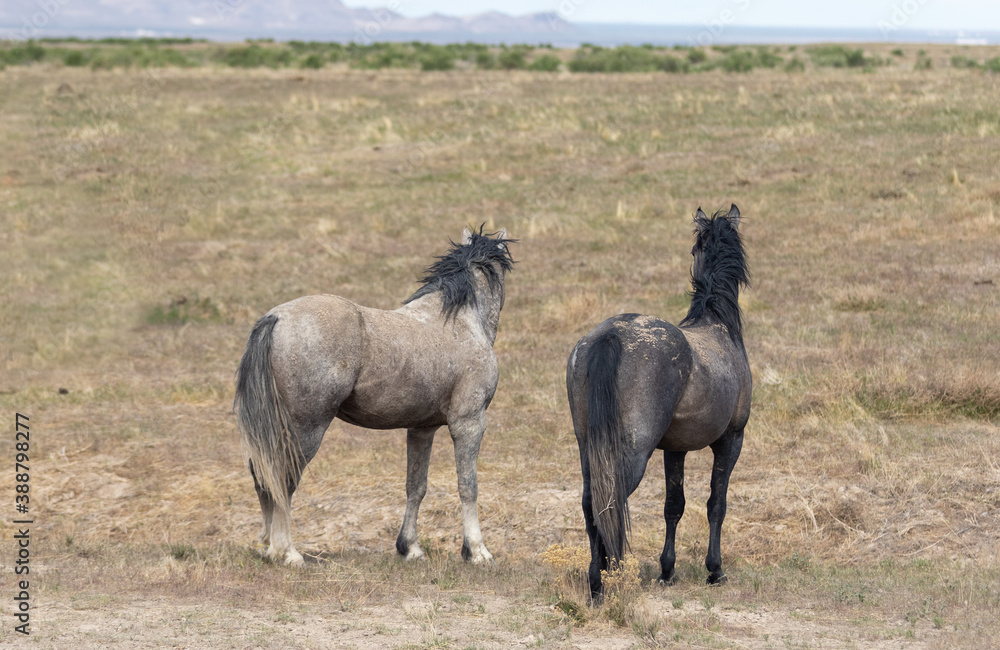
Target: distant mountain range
x: 308, y: 19
x: 330, y: 20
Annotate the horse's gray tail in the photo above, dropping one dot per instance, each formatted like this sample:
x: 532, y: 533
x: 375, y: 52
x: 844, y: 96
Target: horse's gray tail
x: 269, y: 447
x: 605, y: 445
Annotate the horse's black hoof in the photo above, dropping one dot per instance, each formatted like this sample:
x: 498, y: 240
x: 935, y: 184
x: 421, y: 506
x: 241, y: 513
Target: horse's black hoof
x: 669, y: 581
x: 717, y: 579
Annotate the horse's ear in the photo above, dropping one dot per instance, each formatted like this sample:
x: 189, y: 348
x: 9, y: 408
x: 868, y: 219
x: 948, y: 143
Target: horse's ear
x: 502, y: 234
x: 700, y: 214
x: 734, y: 216
x: 466, y: 236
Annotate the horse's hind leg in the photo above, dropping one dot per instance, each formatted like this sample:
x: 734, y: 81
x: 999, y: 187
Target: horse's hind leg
x: 418, y: 457
x: 598, y: 554
x: 266, y: 510
x: 281, y: 548
x: 467, y: 435
x: 673, y: 508
x: 727, y: 451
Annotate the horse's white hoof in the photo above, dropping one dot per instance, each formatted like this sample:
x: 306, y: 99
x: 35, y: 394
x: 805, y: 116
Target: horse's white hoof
x: 290, y: 557
x: 415, y: 553
x: 480, y: 555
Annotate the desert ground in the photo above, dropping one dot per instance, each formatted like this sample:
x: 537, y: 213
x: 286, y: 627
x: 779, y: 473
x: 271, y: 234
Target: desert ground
x: 150, y: 216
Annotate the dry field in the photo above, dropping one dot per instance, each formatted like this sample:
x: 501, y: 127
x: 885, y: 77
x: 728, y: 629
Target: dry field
x: 148, y: 218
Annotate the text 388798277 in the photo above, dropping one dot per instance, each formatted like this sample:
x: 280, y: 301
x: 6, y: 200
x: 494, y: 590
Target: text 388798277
x: 22, y: 538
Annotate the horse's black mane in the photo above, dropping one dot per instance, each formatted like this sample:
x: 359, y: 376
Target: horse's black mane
x: 452, y: 274
x: 722, y: 273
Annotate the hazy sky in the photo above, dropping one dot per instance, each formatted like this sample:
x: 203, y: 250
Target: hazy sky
x: 911, y: 14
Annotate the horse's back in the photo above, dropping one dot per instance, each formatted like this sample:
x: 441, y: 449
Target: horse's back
x: 419, y: 369
x: 679, y: 388
x: 376, y: 368
x: 717, y: 396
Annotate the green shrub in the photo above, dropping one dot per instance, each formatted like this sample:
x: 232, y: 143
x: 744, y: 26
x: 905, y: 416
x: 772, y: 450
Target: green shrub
x: 74, y: 58
x: 137, y: 55
x: 255, y: 56
x: 765, y: 58
x: 382, y: 55
x: 30, y: 52
x: 923, y: 62
x: 107, y: 58
x: 314, y: 61
x: 856, y: 58
x: 486, y: 60
x: 898, y: 52
x: 546, y: 63
x: 838, y: 56
x: 514, y: 58
x: 588, y: 59
x: 626, y: 58
x: 696, y: 55
x: 738, y: 61
x: 795, y: 64
x: 674, y: 64
x: 959, y: 61
x: 161, y: 58
x: 993, y: 65
x: 315, y: 54
x: 437, y: 57
x: 467, y: 51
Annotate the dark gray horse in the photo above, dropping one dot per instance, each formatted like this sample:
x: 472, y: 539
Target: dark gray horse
x: 424, y: 365
x: 637, y: 383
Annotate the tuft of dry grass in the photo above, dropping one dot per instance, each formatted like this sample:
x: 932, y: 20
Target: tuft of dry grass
x: 972, y: 392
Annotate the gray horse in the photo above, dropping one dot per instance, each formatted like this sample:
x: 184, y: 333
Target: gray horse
x: 637, y: 384
x: 424, y: 365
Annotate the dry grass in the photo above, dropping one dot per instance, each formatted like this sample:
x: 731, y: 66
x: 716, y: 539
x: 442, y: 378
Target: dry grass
x: 149, y: 218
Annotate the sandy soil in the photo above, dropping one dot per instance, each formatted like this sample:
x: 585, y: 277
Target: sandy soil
x: 487, y: 622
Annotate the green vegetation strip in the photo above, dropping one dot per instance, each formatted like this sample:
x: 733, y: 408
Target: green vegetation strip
x: 186, y: 53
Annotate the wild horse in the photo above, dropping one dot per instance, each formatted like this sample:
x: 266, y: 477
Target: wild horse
x: 424, y: 365
x: 637, y: 383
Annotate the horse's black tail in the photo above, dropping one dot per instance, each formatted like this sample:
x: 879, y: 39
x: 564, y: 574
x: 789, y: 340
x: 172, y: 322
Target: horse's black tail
x: 267, y: 441
x: 605, y: 441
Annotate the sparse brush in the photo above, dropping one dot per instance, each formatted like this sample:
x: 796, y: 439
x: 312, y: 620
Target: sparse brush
x: 571, y: 584
x: 567, y: 557
x: 840, y: 56
x: 621, y: 591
